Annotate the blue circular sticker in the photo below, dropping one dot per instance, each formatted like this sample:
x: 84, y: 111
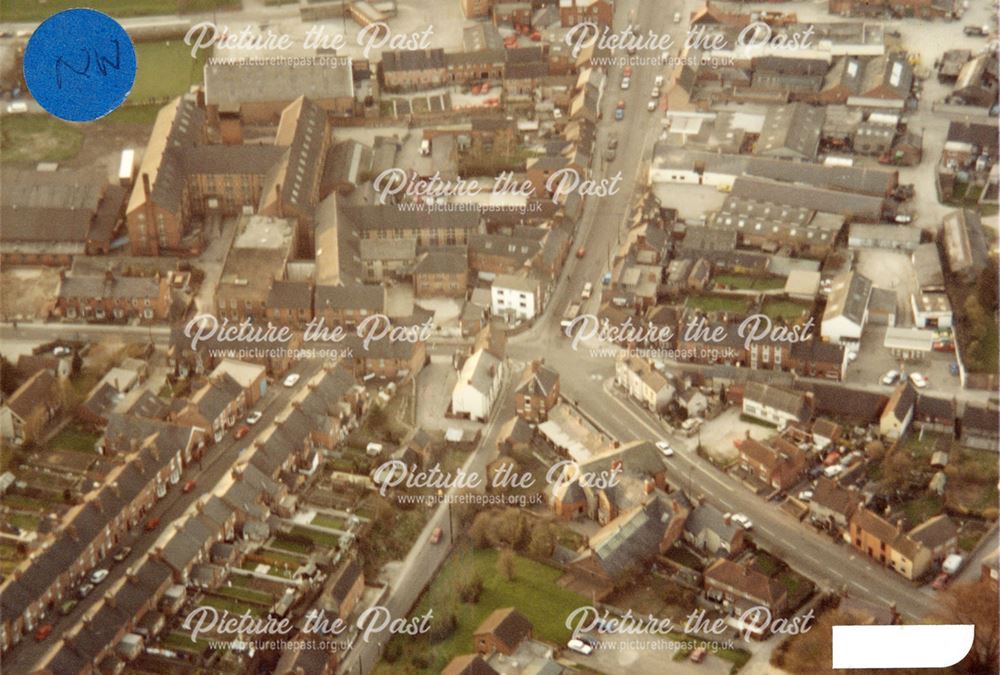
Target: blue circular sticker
x: 79, y: 64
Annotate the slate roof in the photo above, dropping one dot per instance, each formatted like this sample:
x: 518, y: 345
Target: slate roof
x: 444, y: 260
x: 832, y: 496
x: 507, y: 624
x: 348, y: 576
x: 36, y: 390
x: 794, y: 127
x: 228, y: 85
x: 631, y: 539
x: 293, y: 295
x: 935, y: 531
x: 747, y: 581
x: 849, y: 297
x: 785, y: 400
x: 353, y: 296
x: 413, y: 59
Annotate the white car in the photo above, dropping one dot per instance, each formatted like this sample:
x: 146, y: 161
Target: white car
x: 851, y: 355
x: 742, y: 521
x: 651, y: 106
x: 918, y: 380
x: 588, y: 289
x: 806, y: 495
x: 626, y: 82
x: 580, y: 647
x: 254, y: 417
x: 658, y: 82
x: 891, y: 377
x: 655, y: 93
x: 665, y: 448
x: 62, y: 351
x: 291, y: 380
x: 677, y: 17
x: 97, y: 576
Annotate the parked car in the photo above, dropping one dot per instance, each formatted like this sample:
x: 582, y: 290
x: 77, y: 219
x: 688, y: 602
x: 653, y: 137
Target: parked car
x: 665, y: 448
x: 580, y: 252
x: 588, y: 290
x: 609, y: 155
x: 903, y: 218
x: 806, y: 495
x: 152, y: 524
x: 241, y: 431
x: 940, y: 581
x: 658, y: 82
x: 97, y: 576
x: 619, y: 114
x: 918, y: 380
x: 122, y: 553
x: 291, y: 380
x: 67, y: 607
x: 651, y: 106
x: 741, y: 520
x: 587, y: 640
x: 677, y: 17
x: 626, y: 82
x: 62, y: 351
x: 17, y: 107
x: 891, y: 377
x: 254, y: 417
x: 188, y: 486
x: 84, y: 590
x: 627, y: 71
x: 435, y: 535
x: 43, y: 632
x: 580, y: 647
x: 698, y: 655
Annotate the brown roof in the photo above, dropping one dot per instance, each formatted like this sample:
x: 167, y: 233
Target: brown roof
x: 826, y: 428
x: 935, y: 532
x: 830, y: 495
x: 507, y: 624
x: 885, y: 531
x: 468, y: 664
x: 36, y: 390
x: 746, y: 581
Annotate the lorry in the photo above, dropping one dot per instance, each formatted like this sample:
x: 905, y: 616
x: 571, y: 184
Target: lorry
x: 572, y: 312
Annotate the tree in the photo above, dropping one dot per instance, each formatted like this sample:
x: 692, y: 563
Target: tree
x: 974, y: 603
x: 505, y: 564
x: 543, y: 540
x: 469, y: 585
x: 480, y: 532
x: 896, y: 470
x: 986, y: 286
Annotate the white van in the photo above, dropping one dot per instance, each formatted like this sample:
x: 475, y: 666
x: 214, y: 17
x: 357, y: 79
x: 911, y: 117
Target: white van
x: 425, y: 147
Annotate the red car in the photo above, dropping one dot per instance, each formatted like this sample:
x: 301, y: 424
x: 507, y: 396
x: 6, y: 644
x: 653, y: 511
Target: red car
x: 435, y: 535
x: 580, y: 252
x: 152, y: 524
x: 627, y: 71
x: 188, y: 486
x: 940, y: 582
x: 42, y: 632
x: 241, y: 431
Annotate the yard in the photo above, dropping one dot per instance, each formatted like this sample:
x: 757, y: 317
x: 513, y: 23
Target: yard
x: 715, y: 302
x: 785, y: 310
x: 323, y: 520
x: 39, y: 10
x: 28, y: 139
x: 749, y: 282
x: 972, y: 482
x: 75, y: 439
x: 533, y: 591
x: 799, y: 588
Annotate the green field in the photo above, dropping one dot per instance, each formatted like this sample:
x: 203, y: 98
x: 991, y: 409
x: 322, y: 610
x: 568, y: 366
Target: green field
x: 533, y: 591
x: 38, y: 138
x: 165, y: 69
x: 38, y: 10
x: 787, y: 310
x: 71, y: 438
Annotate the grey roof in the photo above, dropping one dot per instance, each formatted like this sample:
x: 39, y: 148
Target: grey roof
x: 246, y: 159
x: 830, y: 201
x: 228, y: 85
x: 413, y: 59
x: 788, y: 401
x: 353, y: 296
x: 290, y: 295
x: 849, y: 297
x: 444, y: 260
x: 388, y: 249
x: 631, y: 539
x: 794, y: 128
x: 707, y: 517
x: 86, y: 287
x: 927, y: 264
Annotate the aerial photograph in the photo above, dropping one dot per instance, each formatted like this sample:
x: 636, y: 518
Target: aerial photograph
x: 499, y: 337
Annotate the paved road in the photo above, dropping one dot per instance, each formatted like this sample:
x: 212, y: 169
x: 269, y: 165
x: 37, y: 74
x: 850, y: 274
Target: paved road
x: 28, y: 656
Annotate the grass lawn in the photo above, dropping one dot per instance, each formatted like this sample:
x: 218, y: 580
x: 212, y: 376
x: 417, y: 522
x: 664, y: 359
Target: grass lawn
x: 749, y: 282
x: 74, y: 438
x: 923, y: 448
x: 533, y: 591
x: 25, y: 503
x: 23, y: 521
x: 923, y: 507
x: 291, y: 545
x: 712, y: 302
x: 30, y: 138
x: 972, y: 480
x: 36, y: 10
x: 233, y: 605
x: 165, y: 69
x: 247, y: 594
x: 180, y: 641
x: 318, y: 538
x: 788, y: 310
x: 323, y: 520
x: 143, y: 115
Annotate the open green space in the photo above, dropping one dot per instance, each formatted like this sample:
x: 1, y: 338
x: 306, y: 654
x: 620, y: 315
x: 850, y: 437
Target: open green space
x: 74, y: 438
x: 749, y: 282
x: 533, y: 591
x: 785, y: 310
x: 715, y: 302
x: 39, y: 10
x: 323, y: 520
x: 165, y: 69
x: 31, y: 138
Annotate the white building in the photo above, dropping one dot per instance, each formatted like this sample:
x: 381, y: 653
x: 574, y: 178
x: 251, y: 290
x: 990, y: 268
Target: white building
x: 478, y: 385
x: 931, y: 310
x: 643, y: 383
x: 516, y: 296
x: 846, y: 308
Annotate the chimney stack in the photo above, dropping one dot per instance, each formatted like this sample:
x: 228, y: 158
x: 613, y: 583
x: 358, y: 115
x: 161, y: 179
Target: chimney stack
x: 145, y: 186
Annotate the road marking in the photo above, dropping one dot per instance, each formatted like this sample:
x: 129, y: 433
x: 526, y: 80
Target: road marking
x: 864, y: 588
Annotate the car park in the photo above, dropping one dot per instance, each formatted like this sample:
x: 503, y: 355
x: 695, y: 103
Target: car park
x: 291, y: 380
